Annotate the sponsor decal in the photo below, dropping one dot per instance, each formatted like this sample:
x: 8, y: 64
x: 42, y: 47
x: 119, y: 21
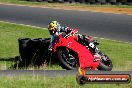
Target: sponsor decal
x: 83, y: 78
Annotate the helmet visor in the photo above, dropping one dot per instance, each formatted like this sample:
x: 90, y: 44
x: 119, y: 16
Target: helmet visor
x: 51, y: 27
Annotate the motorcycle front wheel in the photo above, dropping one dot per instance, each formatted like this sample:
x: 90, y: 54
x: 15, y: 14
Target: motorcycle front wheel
x: 67, y: 58
x: 105, y: 64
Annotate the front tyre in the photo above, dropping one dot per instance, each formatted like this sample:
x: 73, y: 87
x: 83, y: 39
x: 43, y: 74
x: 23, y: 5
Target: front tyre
x: 105, y: 64
x: 67, y: 58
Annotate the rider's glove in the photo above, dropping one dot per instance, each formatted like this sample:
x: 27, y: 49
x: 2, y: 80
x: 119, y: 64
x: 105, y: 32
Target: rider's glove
x: 95, y: 42
x: 50, y: 48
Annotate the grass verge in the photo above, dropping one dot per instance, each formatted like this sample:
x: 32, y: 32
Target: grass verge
x: 24, y: 2
x: 10, y: 33
x: 120, y: 53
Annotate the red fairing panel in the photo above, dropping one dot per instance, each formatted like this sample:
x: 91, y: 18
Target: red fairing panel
x: 84, y: 55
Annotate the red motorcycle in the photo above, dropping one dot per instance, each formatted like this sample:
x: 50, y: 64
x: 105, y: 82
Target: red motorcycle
x: 72, y: 54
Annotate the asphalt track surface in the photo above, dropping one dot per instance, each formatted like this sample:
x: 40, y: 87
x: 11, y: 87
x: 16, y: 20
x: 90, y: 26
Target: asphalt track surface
x: 112, y: 26
x: 55, y: 73
x: 106, y: 25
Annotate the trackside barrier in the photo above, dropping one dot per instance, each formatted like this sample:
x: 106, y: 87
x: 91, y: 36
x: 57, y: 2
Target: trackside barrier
x: 34, y: 51
x: 113, y: 2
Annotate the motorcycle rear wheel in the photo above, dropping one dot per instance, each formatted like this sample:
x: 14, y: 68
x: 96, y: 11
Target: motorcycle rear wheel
x: 67, y: 58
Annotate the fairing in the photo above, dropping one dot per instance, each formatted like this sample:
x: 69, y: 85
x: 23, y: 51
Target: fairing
x: 86, y: 59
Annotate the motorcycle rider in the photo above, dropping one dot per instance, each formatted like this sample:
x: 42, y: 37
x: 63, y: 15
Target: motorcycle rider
x: 55, y: 29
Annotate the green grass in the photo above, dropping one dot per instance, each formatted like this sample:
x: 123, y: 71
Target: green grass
x: 51, y: 82
x: 9, y: 35
x: 119, y: 52
x: 24, y: 2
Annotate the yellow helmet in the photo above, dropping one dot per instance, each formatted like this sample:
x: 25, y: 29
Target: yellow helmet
x: 53, y: 27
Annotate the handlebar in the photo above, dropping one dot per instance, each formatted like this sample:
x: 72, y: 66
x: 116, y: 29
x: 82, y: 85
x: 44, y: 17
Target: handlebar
x: 72, y: 33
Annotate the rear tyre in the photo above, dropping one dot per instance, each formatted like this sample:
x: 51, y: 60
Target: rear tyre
x: 105, y: 64
x: 67, y: 58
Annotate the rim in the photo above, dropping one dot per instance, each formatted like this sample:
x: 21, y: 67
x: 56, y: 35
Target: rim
x: 69, y: 58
